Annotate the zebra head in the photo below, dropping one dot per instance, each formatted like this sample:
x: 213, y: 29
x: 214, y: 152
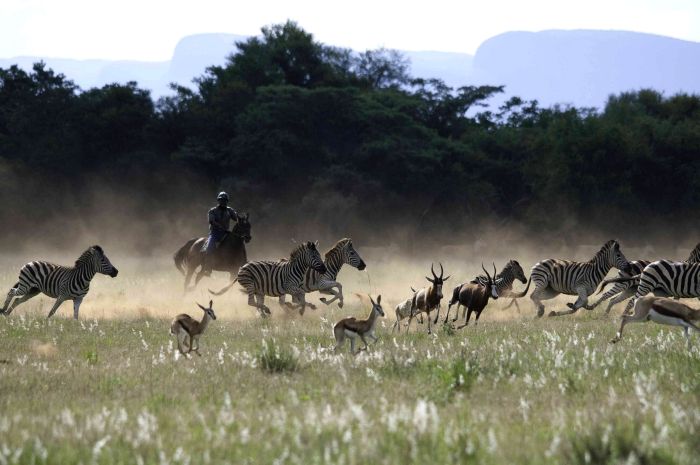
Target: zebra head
x: 491, y: 286
x: 616, y: 258
x: 102, y: 263
x: 517, y: 271
x: 351, y: 257
x: 308, y: 256
x: 242, y: 227
x: 437, y: 281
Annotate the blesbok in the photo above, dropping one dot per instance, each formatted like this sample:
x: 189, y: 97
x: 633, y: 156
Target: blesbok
x: 473, y: 296
x: 353, y: 328
x: 664, y: 311
x: 192, y: 328
x: 428, y: 299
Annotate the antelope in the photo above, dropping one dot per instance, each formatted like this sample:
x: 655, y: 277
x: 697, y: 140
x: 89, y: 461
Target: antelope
x: 353, y: 328
x: 192, y: 328
x: 661, y: 310
x: 428, y: 299
x: 473, y: 296
x: 403, y: 311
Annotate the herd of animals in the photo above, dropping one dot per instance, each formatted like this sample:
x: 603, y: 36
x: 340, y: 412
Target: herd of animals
x: 306, y: 271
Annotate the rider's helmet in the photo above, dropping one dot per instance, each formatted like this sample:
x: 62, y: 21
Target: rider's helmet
x: 222, y: 196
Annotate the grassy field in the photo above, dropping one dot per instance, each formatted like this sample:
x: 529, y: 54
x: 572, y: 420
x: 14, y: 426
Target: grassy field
x: 112, y: 388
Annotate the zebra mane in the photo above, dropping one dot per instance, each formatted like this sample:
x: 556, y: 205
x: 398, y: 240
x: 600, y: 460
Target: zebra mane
x: 694, y: 256
x: 88, y: 253
x: 603, y: 250
x: 298, y: 250
x: 337, y: 248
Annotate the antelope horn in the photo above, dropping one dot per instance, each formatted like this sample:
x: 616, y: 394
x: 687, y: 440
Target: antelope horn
x: 494, y: 271
x: 442, y: 271
x: 487, y: 273
x: 433, y: 271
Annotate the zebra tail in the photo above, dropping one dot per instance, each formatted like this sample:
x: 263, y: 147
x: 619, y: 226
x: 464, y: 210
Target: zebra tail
x: 517, y: 295
x: 623, y: 279
x: 180, y: 256
x: 222, y: 291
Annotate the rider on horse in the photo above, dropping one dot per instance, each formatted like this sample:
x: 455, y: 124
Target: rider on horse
x: 219, y: 220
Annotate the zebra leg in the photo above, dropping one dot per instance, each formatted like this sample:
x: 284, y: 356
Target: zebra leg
x: 581, y: 302
x: 32, y: 293
x: 56, y: 304
x: 76, y: 306
x: 540, y: 294
x: 626, y: 294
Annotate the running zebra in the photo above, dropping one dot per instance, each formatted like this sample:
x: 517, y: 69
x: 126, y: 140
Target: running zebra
x: 622, y: 290
x: 342, y: 252
x: 627, y: 289
x: 277, y: 278
x: 60, y: 282
x: 665, y: 278
x: 504, y: 280
x: 553, y: 277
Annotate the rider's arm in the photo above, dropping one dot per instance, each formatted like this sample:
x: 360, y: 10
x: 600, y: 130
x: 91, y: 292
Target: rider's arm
x: 212, y: 220
x: 232, y: 212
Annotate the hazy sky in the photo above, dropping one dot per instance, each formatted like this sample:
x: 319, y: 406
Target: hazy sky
x: 149, y: 29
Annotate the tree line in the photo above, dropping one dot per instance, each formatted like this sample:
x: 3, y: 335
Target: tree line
x: 300, y: 130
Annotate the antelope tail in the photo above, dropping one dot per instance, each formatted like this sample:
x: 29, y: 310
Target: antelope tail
x: 517, y: 295
x: 222, y: 291
x: 617, y: 280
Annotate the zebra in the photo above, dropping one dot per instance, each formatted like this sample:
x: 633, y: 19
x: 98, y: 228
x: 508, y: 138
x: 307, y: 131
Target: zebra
x: 627, y: 289
x: 665, y: 278
x: 60, y: 282
x: 553, y: 277
x: 342, y: 252
x: 622, y: 290
x: 504, y: 280
x: 277, y: 278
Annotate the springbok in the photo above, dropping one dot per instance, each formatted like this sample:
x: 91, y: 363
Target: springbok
x: 353, y: 328
x: 428, y: 298
x: 192, y: 328
x: 661, y: 310
x: 403, y: 311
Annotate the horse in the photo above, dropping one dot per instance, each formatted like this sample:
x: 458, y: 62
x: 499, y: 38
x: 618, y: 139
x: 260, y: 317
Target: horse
x: 229, y: 256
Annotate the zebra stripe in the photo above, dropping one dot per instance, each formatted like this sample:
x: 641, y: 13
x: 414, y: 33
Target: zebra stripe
x: 627, y: 289
x: 60, y: 282
x: 277, y: 278
x: 669, y: 279
x: 553, y: 277
x: 341, y: 253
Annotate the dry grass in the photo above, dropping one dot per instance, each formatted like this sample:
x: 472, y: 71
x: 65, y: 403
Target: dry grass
x: 112, y: 388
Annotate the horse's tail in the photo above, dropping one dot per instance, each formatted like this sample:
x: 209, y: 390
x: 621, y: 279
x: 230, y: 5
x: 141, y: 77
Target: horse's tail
x: 180, y: 256
x: 222, y: 291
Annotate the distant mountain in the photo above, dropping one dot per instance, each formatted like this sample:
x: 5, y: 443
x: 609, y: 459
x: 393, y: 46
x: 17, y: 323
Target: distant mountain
x: 579, y: 67
x: 584, y: 67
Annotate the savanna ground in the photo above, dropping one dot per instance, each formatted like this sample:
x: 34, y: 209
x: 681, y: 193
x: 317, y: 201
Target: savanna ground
x: 112, y: 388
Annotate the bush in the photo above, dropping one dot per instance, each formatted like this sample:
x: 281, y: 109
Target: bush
x: 275, y: 359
